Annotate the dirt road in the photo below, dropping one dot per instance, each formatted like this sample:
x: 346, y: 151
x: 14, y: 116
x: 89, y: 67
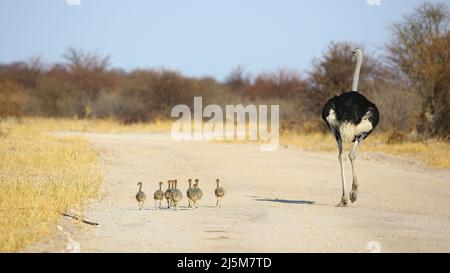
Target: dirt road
x: 281, y: 201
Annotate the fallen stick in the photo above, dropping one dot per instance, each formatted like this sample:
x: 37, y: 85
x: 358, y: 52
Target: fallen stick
x: 79, y: 219
x: 63, y: 214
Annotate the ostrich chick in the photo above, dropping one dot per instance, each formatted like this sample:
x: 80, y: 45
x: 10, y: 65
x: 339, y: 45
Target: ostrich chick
x: 158, y: 195
x: 190, y: 193
x: 175, y: 195
x: 219, y: 192
x: 140, y: 196
x: 167, y: 193
x: 197, y: 194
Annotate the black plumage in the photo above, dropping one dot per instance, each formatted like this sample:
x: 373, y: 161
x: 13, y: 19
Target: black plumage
x: 351, y: 107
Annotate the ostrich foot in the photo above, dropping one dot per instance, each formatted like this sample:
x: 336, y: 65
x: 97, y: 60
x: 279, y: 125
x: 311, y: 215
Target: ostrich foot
x: 343, y: 202
x: 354, y: 194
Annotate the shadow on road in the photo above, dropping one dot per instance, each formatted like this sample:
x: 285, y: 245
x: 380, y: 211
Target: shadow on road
x: 284, y: 201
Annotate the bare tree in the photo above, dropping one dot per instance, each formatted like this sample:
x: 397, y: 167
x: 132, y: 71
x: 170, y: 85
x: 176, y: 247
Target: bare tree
x: 79, y: 60
x: 89, y: 74
x: 420, y: 49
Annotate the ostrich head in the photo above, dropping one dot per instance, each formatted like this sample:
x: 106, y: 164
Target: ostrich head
x: 160, y: 182
x: 357, y: 52
x: 139, y: 183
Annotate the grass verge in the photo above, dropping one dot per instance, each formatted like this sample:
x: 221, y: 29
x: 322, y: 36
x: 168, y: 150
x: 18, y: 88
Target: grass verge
x: 40, y: 176
x: 95, y: 125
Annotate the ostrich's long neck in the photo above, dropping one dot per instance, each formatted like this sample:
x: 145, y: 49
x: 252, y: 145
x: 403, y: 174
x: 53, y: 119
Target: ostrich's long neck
x: 356, y: 74
x: 140, y: 187
x: 160, y: 185
x: 217, y: 184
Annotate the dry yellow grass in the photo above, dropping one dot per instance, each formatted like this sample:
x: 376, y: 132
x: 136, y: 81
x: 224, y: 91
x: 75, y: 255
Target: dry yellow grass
x: 435, y: 153
x: 40, y: 176
x: 94, y: 125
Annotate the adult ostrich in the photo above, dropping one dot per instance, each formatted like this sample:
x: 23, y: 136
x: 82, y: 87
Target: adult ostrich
x: 351, y: 118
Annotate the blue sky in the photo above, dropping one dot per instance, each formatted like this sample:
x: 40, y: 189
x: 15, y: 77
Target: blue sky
x: 197, y: 37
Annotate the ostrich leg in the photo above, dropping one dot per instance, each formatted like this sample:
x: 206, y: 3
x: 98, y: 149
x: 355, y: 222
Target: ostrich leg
x: 344, y: 199
x: 352, y: 157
